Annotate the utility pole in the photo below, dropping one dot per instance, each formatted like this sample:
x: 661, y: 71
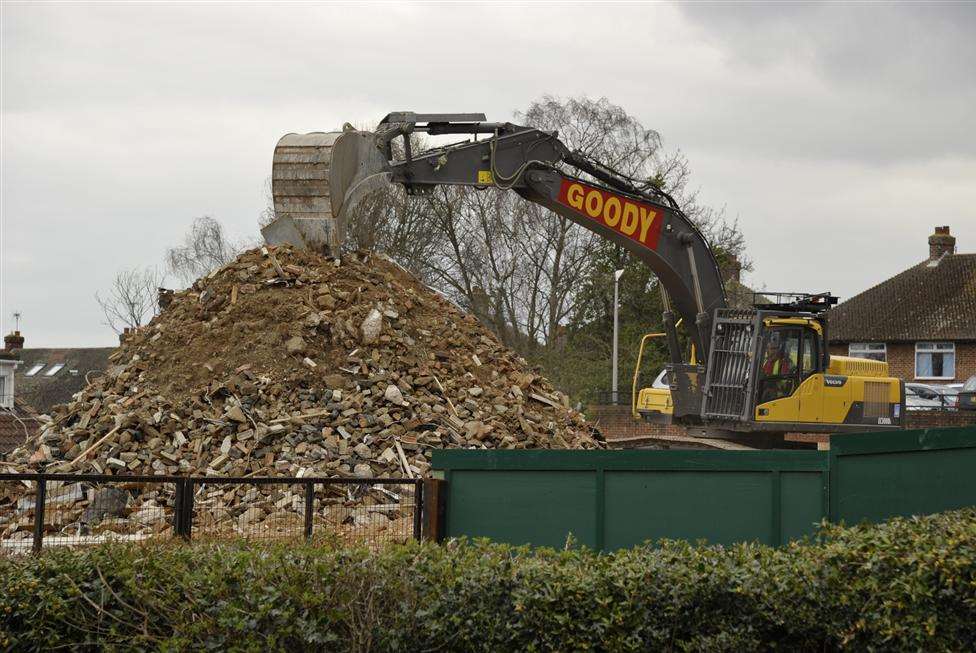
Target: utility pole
x: 616, y: 328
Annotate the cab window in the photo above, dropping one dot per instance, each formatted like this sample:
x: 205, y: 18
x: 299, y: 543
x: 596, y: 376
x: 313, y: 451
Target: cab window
x: 809, y: 362
x: 778, y: 369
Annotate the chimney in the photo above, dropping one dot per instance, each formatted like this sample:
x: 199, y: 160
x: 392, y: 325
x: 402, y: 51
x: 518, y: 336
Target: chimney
x: 165, y: 298
x: 13, y: 341
x: 941, y: 243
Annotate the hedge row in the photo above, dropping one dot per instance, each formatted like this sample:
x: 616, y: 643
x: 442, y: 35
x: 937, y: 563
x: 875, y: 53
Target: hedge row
x: 903, y: 585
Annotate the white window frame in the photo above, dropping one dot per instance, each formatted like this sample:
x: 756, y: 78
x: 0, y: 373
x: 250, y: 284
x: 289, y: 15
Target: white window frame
x: 860, y: 349
x: 936, y: 348
x: 54, y: 369
x: 35, y: 369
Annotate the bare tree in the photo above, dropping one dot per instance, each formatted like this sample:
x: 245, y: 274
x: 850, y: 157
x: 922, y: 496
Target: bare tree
x: 205, y: 248
x: 133, y: 299
x: 387, y: 221
x: 267, y: 214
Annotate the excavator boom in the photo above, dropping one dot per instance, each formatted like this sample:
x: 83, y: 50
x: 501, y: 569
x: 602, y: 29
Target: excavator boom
x: 323, y: 181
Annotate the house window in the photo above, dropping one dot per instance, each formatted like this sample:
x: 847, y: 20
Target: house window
x: 876, y: 351
x: 935, y: 360
x: 34, y: 370
x: 54, y: 369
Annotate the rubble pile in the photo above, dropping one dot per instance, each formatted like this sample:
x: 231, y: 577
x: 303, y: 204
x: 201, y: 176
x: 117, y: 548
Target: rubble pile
x: 285, y: 363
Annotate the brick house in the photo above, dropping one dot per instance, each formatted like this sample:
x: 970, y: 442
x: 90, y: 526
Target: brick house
x: 48, y: 377
x: 17, y: 420
x: 921, y: 321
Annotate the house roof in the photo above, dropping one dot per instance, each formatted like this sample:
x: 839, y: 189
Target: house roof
x: 16, y: 426
x: 44, y: 389
x: 925, y: 302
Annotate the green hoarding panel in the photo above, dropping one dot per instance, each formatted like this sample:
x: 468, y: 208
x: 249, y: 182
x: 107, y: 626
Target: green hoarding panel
x: 721, y: 507
x: 803, y: 504
x: 523, y: 507
x: 909, y: 473
x: 613, y: 499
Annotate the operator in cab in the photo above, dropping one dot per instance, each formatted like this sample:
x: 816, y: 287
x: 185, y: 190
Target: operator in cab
x: 776, y: 367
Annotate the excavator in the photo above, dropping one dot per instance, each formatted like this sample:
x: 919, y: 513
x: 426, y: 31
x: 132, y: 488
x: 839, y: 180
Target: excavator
x: 764, y: 370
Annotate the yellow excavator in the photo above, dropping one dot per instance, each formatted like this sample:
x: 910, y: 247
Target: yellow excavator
x: 764, y: 369
x: 797, y: 384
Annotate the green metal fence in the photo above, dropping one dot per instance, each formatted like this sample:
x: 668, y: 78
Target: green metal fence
x: 614, y: 499
x: 874, y: 476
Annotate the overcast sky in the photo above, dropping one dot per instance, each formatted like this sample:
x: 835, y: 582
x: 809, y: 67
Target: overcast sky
x: 839, y: 135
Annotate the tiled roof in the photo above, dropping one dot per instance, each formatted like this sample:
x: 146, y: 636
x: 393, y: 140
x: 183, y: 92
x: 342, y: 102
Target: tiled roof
x: 925, y: 302
x: 41, y: 391
x: 16, y: 425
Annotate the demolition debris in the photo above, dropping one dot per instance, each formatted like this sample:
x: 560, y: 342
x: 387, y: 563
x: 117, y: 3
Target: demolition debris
x: 285, y: 363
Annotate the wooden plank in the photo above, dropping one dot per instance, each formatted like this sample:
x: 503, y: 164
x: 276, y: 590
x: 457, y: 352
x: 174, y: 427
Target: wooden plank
x: 543, y: 399
x: 95, y: 446
x: 444, y: 394
x: 403, y: 459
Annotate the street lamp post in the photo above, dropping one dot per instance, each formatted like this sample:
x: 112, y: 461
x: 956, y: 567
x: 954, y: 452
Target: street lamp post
x: 616, y: 327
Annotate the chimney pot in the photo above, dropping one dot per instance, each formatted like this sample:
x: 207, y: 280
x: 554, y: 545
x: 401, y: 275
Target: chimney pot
x: 13, y: 341
x: 941, y: 242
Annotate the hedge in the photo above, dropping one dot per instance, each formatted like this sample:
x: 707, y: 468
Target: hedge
x: 909, y: 584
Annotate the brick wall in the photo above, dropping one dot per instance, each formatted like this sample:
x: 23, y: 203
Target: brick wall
x: 930, y: 419
x: 901, y: 360
x: 616, y: 422
x: 965, y: 360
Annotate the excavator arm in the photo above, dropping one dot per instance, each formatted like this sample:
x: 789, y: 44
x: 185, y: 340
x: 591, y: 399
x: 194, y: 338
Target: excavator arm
x: 323, y: 176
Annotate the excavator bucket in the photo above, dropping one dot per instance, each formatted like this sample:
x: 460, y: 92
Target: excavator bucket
x: 316, y: 180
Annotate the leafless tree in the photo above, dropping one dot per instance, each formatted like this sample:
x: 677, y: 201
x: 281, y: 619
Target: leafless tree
x: 205, y: 248
x: 133, y: 298
x: 267, y: 214
x: 387, y: 221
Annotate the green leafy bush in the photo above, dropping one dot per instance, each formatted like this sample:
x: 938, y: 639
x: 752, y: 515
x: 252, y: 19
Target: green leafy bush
x: 909, y: 584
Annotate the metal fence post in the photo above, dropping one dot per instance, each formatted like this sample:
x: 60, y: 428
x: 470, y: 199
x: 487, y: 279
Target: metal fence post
x: 435, y: 509
x: 39, y: 501
x: 188, y: 509
x: 418, y: 508
x: 178, y: 509
x: 309, y: 508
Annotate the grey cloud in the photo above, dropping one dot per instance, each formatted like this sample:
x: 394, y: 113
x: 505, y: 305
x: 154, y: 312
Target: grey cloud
x: 873, y: 82
x: 122, y: 122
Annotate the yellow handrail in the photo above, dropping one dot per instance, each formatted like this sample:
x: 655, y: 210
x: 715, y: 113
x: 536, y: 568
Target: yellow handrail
x: 633, y: 387
x: 640, y: 355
